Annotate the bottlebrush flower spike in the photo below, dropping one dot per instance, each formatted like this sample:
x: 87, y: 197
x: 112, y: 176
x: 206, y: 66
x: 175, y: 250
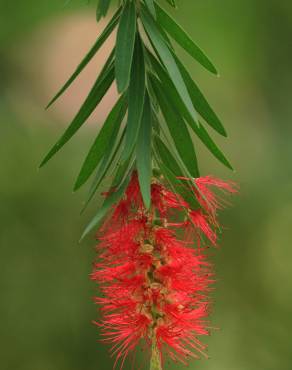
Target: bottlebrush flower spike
x: 154, y: 284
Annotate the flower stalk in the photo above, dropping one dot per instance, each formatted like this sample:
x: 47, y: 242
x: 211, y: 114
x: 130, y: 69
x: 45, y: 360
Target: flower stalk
x: 155, y: 362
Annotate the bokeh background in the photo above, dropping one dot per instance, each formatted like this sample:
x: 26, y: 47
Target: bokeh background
x: 46, y: 308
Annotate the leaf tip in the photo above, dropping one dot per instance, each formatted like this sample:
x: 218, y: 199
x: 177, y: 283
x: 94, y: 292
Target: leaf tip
x: 41, y: 165
x: 85, y: 232
x: 51, y: 102
x: 75, y: 187
x: 120, y: 86
x: 147, y: 203
x: 44, y: 161
x: 221, y: 130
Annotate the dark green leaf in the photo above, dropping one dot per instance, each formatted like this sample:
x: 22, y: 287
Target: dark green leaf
x: 122, y: 169
x: 96, y: 94
x: 99, y: 42
x: 111, y: 199
x: 176, y: 101
x: 167, y: 158
x: 199, y: 101
x: 168, y: 60
x: 171, y: 161
x: 172, y: 3
x: 179, y: 187
x: 210, y: 144
x: 178, y: 130
x: 136, y: 98
x: 151, y: 7
x: 97, y: 150
x: 125, y: 45
x: 168, y: 85
x: 183, y: 39
x: 143, y: 151
x: 110, y: 156
x: 102, y: 9
x: 153, y: 100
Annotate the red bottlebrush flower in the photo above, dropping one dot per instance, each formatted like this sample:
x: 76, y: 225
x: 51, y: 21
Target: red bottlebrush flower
x: 201, y: 225
x: 154, y: 285
x: 206, y: 195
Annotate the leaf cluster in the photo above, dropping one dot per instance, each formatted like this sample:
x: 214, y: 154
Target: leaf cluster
x: 159, y: 109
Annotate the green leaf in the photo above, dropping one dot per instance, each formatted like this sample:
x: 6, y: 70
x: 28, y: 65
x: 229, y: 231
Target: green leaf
x: 152, y: 96
x: 167, y: 158
x: 179, y: 187
x: 110, y: 156
x: 143, y: 151
x: 202, y: 133
x: 199, y: 101
x: 93, y: 99
x: 99, y: 42
x: 168, y: 60
x: 173, y: 163
x: 172, y: 3
x: 178, y: 130
x: 122, y: 169
x: 167, y: 83
x: 136, y: 98
x: 125, y: 45
x: 111, y: 199
x: 102, y: 9
x: 151, y: 7
x: 183, y: 39
x: 175, y: 100
x: 99, y: 146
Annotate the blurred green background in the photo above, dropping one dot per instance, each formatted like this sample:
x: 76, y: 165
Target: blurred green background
x: 46, y: 308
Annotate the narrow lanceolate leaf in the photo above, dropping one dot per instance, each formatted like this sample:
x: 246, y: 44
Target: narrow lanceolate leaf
x: 125, y: 45
x: 167, y: 158
x: 172, y: 3
x: 102, y: 9
x: 110, y: 156
x: 178, y: 130
x: 166, y: 81
x: 179, y: 186
x: 176, y: 102
x: 93, y: 99
x: 97, y: 150
x: 151, y: 7
x: 202, y: 133
x: 172, y: 162
x: 143, y: 151
x: 168, y: 60
x: 183, y: 39
x: 136, y: 99
x: 122, y: 169
x: 111, y: 199
x: 99, y: 42
x: 199, y: 101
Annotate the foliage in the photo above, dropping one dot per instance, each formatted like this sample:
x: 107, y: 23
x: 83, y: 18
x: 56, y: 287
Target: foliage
x: 162, y: 103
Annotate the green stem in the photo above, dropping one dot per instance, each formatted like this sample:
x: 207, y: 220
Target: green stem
x: 155, y: 358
